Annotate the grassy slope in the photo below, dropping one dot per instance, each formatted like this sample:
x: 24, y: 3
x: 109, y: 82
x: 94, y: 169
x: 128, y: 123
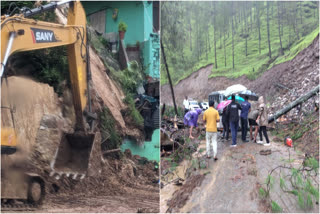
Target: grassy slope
x: 259, y: 62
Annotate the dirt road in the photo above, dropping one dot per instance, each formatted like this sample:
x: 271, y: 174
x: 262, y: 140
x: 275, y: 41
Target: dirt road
x: 234, y: 180
x: 133, y: 201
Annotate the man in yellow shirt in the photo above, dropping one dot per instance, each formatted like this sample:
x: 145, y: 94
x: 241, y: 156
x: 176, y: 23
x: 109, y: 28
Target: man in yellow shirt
x: 211, y: 117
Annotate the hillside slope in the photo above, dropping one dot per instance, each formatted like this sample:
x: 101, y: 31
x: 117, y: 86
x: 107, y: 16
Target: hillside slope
x: 299, y: 26
x: 299, y: 74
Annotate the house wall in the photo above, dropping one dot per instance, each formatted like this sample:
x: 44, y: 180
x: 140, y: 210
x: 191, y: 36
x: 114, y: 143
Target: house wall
x: 137, y: 15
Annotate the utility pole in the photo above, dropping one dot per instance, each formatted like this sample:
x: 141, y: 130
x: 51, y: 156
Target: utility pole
x: 170, y: 83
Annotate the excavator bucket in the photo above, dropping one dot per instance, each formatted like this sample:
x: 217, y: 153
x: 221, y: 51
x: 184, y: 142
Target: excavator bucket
x: 78, y: 155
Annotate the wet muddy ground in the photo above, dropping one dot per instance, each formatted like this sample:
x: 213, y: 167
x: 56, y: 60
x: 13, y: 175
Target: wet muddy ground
x: 135, y: 200
x: 232, y: 183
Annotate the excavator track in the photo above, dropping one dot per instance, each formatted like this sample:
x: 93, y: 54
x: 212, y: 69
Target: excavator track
x: 18, y: 206
x: 35, y: 196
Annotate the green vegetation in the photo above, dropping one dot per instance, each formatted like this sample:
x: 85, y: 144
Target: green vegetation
x: 170, y: 112
x: 192, y: 30
x: 129, y: 80
x: 297, y: 131
x: 298, y: 183
x: 108, y: 130
x: 122, y: 26
x: 136, y: 116
x: 45, y: 65
x: 262, y: 193
x: 275, y: 208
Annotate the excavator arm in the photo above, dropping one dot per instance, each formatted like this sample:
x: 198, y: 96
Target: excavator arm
x: 18, y: 34
x: 21, y: 34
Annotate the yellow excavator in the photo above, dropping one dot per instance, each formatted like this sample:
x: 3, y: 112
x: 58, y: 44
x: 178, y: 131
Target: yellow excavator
x: 78, y: 153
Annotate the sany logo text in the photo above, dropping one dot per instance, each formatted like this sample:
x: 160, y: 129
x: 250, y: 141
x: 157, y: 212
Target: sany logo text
x: 42, y: 36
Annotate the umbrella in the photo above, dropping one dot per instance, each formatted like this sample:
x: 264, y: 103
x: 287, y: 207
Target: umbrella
x: 238, y: 99
x: 234, y: 89
x: 251, y: 95
x: 223, y: 104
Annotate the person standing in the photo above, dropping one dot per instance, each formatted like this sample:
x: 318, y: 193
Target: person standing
x: 262, y: 120
x: 211, y: 117
x: 186, y: 104
x: 252, y: 117
x: 233, y: 114
x: 191, y: 119
x: 245, y: 109
x: 225, y: 123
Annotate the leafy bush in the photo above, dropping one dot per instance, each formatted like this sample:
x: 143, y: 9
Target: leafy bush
x: 48, y: 66
x: 136, y: 116
x: 129, y: 78
x: 300, y: 185
x: 122, y: 26
x: 108, y: 129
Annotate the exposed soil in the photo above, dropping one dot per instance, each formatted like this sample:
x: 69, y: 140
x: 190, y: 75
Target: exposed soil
x: 181, y: 196
x: 124, y: 185
x: 32, y: 100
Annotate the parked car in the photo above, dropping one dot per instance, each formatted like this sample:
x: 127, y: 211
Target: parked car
x: 204, y: 105
x: 193, y: 105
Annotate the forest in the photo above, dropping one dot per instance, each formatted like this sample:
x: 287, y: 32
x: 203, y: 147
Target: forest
x: 237, y: 38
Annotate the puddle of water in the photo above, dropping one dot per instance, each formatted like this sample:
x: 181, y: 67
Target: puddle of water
x: 149, y: 149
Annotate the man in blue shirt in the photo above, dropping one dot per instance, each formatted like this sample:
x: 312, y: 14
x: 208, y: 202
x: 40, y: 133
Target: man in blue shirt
x: 245, y: 109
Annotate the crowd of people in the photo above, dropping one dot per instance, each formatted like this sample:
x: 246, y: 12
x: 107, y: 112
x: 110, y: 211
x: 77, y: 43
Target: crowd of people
x: 255, y: 116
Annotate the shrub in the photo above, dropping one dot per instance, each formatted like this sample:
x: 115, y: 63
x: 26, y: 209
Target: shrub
x: 122, y: 26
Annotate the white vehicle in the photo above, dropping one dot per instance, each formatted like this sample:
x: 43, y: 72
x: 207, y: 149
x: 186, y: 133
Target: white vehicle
x: 204, y: 105
x: 193, y: 105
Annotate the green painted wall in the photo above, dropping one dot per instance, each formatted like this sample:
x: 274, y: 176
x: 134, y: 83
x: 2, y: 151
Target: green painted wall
x: 138, y: 15
x: 151, y: 51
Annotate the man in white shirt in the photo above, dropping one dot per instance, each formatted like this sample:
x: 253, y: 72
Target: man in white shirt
x: 186, y: 104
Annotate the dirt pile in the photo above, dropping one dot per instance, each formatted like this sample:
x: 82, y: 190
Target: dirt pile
x: 299, y: 75
x: 131, y: 179
x: 31, y: 100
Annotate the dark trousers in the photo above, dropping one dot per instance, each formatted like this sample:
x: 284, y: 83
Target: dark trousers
x: 244, y: 128
x: 234, y: 129
x: 264, y: 130
x: 225, y: 133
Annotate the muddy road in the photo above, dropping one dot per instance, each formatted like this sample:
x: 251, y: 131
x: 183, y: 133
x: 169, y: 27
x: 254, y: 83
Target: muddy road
x: 232, y: 183
x: 135, y: 200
